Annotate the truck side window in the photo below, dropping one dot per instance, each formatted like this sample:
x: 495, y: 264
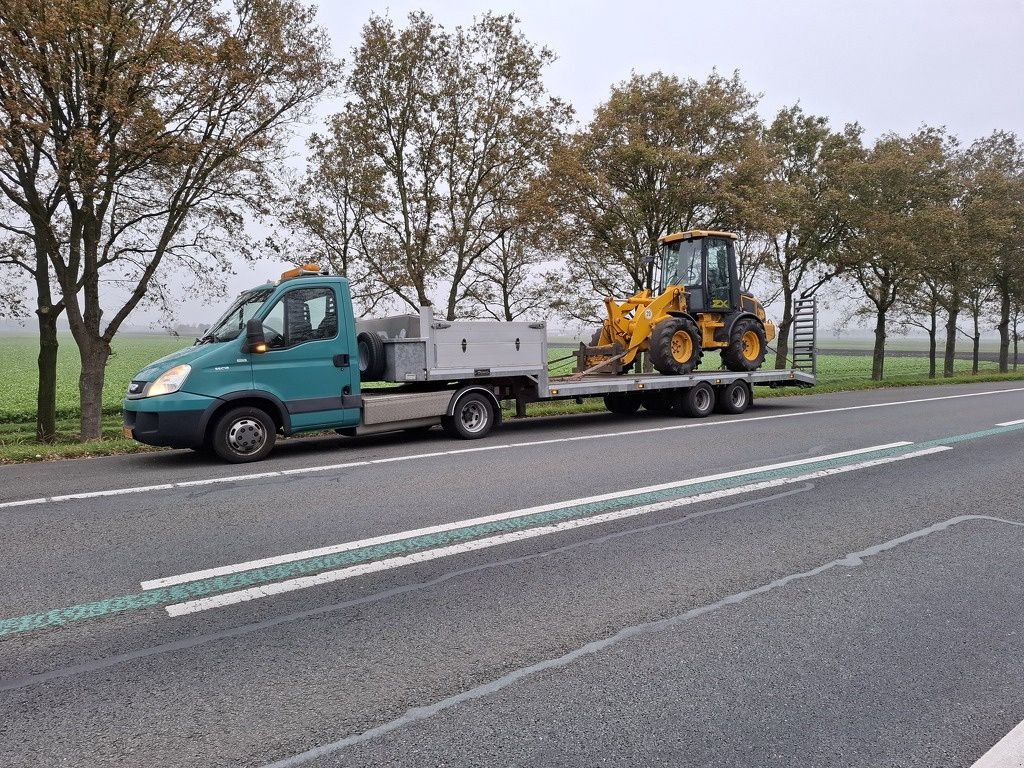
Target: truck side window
x: 303, y: 314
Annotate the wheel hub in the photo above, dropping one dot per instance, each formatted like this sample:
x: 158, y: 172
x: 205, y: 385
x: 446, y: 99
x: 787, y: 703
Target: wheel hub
x: 474, y: 417
x: 246, y: 436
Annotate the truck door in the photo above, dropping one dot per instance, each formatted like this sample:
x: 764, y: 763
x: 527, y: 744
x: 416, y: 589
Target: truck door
x: 307, y: 364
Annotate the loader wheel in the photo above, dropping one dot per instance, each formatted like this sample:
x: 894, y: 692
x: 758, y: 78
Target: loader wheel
x: 621, y: 403
x: 695, y: 402
x: 675, y: 346
x: 747, y: 346
x: 371, y: 356
x: 733, y: 398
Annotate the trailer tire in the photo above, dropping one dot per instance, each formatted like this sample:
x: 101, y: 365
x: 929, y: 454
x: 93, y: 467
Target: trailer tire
x: 371, y: 356
x: 656, y: 402
x: 747, y: 345
x: 733, y: 398
x: 243, y: 434
x: 696, y: 402
x: 675, y: 346
x: 621, y: 403
x: 472, y: 418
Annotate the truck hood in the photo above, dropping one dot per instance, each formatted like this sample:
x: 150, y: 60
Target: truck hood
x: 188, y: 355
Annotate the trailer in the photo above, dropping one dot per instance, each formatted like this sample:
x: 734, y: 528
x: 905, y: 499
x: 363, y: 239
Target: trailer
x: 289, y: 357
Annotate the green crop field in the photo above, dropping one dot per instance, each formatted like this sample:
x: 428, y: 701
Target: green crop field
x: 18, y: 380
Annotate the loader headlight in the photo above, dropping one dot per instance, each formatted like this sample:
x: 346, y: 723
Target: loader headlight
x: 169, y: 381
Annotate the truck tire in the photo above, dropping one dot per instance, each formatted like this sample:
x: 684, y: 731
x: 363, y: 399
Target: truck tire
x: 621, y: 403
x: 733, y: 398
x: 472, y: 418
x: 696, y: 402
x: 675, y: 346
x: 243, y: 434
x: 747, y: 345
x: 371, y: 356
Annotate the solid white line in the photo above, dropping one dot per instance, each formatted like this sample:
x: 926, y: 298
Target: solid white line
x: 1010, y: 423
x: 1008, y: 752
x: 223, y: 570
x: 744, y: 419
x: 342, y: 574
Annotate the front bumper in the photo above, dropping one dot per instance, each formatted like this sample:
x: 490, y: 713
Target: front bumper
x: 177, y: 420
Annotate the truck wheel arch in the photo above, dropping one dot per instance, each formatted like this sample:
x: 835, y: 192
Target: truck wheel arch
x: 475, y: 388
x: 268, y: 402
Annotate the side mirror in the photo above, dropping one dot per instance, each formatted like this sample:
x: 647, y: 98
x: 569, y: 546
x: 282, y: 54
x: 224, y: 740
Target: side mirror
x: 254, y: 338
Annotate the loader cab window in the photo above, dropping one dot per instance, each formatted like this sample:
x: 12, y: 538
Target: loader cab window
x: 719, y: 282
x: 681, y: 264
x: 301, y: 315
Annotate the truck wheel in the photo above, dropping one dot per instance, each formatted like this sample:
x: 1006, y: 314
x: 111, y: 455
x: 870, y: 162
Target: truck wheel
x: 675, y: 346
x: 696, y: 402
x: 733, y: 398
x: 472, y: 417
x: 747, y: 346
x: 621, y: 403
x: 371, y: 356
x: 243, y: 434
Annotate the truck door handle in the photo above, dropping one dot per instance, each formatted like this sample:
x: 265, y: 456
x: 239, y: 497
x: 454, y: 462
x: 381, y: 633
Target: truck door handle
x: 341, y: 361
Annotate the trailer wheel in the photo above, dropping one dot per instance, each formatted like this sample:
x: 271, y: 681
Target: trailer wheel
x: 675, y: 346
x: 697, y: 401
x: 747, y: 346
x: 733, y: 398
x: 371, y: 356
x: 243, y: 434
x: 656, y: 402
x: 621, y: 403
x: 472, y: 417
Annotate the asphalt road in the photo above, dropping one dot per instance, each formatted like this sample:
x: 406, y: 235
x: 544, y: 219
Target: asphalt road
x: 831, y: 580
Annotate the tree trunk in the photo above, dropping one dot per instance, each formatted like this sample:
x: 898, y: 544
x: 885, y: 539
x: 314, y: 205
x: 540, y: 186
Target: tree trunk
x: 782, y: 340
x: 932, y: 334
x: 878, y: 355
x: 46, y: 393
x: 950, y: 356
x: 1004, y: 331
x: 94, y: 355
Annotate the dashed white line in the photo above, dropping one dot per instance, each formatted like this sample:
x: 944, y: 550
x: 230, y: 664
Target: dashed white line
x: 1010, y: 423
x: 169, y: 581
x: 342, y: 574
x: 505, y: 446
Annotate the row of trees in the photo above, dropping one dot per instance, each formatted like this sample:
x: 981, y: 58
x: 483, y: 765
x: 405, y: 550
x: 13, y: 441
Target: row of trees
x: 452, y: 171
x: 139, y: 137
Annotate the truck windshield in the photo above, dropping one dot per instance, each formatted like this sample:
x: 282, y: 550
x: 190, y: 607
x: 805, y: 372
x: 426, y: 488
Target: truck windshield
x: 232, y: 323
x: 680, y: 264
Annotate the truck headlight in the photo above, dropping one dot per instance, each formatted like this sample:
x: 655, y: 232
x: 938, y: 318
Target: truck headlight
x: 169, y: 381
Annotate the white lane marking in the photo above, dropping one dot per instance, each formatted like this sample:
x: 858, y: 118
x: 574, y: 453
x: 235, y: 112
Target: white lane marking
x: 744, y: 419
x: 1008, y: 752
x: 223, y: 570
x: 342, y: 574
x: 1010, y: 423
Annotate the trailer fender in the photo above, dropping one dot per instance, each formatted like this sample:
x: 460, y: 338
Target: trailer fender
x: 475, y: 388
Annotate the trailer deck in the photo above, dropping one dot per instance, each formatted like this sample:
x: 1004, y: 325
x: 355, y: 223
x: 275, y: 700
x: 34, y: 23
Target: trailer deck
x: 593, y: 386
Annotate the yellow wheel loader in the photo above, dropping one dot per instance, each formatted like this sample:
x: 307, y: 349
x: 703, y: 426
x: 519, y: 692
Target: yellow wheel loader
x: 698, y: 306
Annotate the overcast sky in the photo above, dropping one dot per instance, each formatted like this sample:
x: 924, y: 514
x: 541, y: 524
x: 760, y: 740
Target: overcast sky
x: 892, y: 66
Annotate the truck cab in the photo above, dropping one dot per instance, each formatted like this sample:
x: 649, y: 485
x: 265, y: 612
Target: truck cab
x: 278, y: 360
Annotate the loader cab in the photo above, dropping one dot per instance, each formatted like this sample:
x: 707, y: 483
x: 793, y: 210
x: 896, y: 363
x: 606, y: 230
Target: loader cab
x: 703, y: 262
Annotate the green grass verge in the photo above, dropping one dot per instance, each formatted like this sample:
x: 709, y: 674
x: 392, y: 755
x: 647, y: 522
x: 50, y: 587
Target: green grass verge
x: 836, y: 373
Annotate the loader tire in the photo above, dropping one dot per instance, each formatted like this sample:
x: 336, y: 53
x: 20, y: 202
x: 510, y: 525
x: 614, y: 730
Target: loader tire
x: 371, y: 356
x: 675, y: 346
x: 747, y: 346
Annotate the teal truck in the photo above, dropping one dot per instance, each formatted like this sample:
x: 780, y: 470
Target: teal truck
x: 290, y: 357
